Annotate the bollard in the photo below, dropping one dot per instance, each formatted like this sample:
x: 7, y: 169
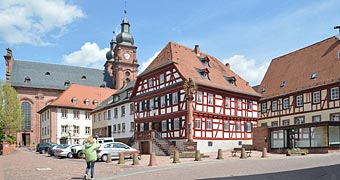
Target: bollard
x: 219, y: 154
x: 109, y: 159
x: 153, y: 160
x: 176, y: 157
x: 121, y: 158
x: 243, y: 154
x: 135, y: 159
x: 198, y: 155
x: 264, y: 153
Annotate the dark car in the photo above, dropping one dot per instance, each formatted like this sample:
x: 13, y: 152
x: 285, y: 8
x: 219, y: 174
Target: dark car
x: 43, y: 147
x: 51, y: 150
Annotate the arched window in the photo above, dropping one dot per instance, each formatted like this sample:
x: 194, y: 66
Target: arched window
x: 26, y: 110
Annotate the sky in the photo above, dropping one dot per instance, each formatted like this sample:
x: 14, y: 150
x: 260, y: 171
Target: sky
x: 247, y: 34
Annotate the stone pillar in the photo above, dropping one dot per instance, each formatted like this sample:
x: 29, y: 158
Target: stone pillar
x: 198, y: 155
x: 176, y: 157
x: 219, y: 154
x: 264, y: 152
x: 109, y: 159
x: 153, y: 160
x: 135, y: 159
x: 190, y: 89
x: 121, y: 158
x: 243, y: 153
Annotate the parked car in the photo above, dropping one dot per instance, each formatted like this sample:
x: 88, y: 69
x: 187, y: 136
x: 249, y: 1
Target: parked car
x: 65, y: 151
x: 113, y: 148
x: 42, y: 148
x: 52, y: 150
x: 77, y: 151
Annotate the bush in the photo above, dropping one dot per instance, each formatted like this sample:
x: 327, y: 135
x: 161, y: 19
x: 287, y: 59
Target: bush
x: 9, y: 139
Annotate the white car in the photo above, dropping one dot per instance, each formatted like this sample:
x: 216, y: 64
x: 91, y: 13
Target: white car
x: 113, y: 148
x: 65, y: 151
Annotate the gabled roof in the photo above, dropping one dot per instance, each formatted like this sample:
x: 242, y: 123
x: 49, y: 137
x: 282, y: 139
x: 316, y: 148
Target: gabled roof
x: 54, y: 76
x: 294, y: 72
x: 122, y: 97
x: 81, y: 94
x: 189, y: 65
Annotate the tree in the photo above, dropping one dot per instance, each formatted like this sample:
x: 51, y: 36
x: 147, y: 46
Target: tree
x: 11, y: 117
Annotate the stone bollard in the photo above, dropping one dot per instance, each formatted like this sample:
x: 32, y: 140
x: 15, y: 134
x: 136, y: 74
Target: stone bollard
x: 198, y: 155
x: 153, y: 160
x: 135, y: 159
x: 109, y: 159
x: 264, y: 153
x: 243, y: 154
x: 176, y: 157
x: 121, y: 158
x: 219, y: 154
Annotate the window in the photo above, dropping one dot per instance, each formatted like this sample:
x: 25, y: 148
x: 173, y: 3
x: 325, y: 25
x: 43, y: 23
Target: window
x: 208, y: 124
x: 264, y: 124
x: 95, y: 103
x: 299, y: 120
x: 118, y: 128
x: 239, y: 103
x: 27, y: 80
x: 210, y: 99
x: 123, y: 110
x: 132, y: 126
x: 334, y: 93
x: 150, y: 83
x: 109, y: 114
x: 87, y: 102
x: 129, y: 94
x: 63, y: 113
x: 316, y: 118
x: 176, y: 123
x: 274, y: 105
x: 164, y: 125
x: 151, y: 104
x: 114, y: 128
x: 227, y: 102
x: 74, y: 100
x: 283, y: 84
x: 314, y: 75
x: 264, y: 107
x: 285, y: 104
x: 99, y: 116
x: 115, y: 112
x: 161, y: 78
x: 156, y: 102
x: 87, y: 130
x: 285, y: 122
x: 123, y: 127
x: 175, y: 98
x: 95, y: 117
x: 316, y: 97
x: 75, y: 114
x: 275, y: 124
x: 335, y: 117
x: 247, y: 127
x: 131, y: 108
x: 199, y: 96
x: 163, y: 101
x: 198, y: 123
x: 299, y: 100
x: 105, y: 115
x: 76, y: 129
x: 87, y: 115
x: 64, y: 129
x: 250, y: 104
x: 238, y: 126
x: 231, y: 80
x: 67, y: 83
x: 226, y: 125
x: 204, y: 73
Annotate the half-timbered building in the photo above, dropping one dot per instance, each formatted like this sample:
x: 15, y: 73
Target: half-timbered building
x: 300, y: 97
x: 185, y: 95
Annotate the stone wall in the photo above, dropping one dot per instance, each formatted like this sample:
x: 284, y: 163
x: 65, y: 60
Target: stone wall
x: 261, y: 138
x: 7, y: 148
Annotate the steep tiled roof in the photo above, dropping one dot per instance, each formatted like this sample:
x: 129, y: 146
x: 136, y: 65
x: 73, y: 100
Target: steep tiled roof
x: 188, y: 64
x: 54, y: 76
x: 81, y: 94
x: 297, y: 68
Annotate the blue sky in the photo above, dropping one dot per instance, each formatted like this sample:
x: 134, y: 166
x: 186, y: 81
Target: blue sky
x: 245, y: 33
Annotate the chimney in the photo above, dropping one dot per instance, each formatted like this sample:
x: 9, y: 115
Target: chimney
x: 197, y: 50
x: 227, y: 65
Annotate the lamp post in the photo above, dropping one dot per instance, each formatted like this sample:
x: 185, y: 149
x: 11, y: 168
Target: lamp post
x: 190, y: 89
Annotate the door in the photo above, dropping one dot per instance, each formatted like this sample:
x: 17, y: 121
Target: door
x: 26, y: 139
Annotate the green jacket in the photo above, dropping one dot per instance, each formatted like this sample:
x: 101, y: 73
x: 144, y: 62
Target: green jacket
x: 90, y: 151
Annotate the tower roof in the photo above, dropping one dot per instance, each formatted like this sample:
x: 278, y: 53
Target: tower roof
x: 124, y: 37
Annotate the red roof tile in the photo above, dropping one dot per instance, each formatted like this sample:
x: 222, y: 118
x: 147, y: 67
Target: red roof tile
x: 297, y: 68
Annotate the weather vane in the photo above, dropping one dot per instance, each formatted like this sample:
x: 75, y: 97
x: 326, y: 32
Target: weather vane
x: 125, y: 11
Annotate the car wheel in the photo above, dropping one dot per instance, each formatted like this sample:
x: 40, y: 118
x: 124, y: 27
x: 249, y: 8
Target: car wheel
x: 80, y: 154
x: 43, y: 151
x: 104, y: 157
x: 69, y: 155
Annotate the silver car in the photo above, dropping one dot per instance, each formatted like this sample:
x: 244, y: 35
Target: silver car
x: 113, y: 148
x: 65, y: 151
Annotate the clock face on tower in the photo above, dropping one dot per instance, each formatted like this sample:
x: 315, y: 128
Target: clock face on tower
x: 126, y: 55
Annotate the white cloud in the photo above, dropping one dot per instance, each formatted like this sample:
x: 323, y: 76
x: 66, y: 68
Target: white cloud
x: 32, y: 22
x: 147, y: 63
x: 89, y: 55
x: 247, y: 68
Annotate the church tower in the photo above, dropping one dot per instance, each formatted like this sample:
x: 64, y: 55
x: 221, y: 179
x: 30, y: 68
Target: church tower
x: 121, y: 60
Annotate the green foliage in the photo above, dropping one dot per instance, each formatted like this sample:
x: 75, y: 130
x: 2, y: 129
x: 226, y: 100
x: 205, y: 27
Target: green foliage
x: 11, y: 117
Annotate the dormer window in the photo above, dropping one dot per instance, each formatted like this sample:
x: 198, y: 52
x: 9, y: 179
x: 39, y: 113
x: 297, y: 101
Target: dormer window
x: 47, y: 73
x: 83, y: 77
x: 264, y: 89
x: 95, y: 102
x: 283, y: 84
x: 204, y: 73
x: 27, y: 80
x: 205, y: 61
x: 116, y: 98
x: 129, y: 94
x: 87, y: 102
x: 102, y: 85
x: 231, y: 80
x: 314, y: 75
x: 74, y: 100
x: 67, y: 83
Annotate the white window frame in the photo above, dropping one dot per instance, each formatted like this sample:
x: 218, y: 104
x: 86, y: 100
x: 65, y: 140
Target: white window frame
x: 64, y: 113
x: 299, y: 100
x: 334, y: 93
x: 264, y: 107
x: 210, y: 99
x: 164, y: 125
x: 199, y: 96
x: 226, y: 125
x: 76, y: 114
x: 285, y: 104
x: 227, y: 102
x: 176, y: 123
x: 316, y: 97
x: 274, y: 105
x: 198, y: 123
x: 208, y: 124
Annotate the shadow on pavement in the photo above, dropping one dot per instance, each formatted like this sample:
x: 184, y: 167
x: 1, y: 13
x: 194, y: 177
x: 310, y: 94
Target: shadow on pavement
x: 319, y: 173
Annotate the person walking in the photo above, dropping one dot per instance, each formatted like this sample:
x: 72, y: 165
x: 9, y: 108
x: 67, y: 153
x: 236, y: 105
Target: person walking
x: 89, y: 149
